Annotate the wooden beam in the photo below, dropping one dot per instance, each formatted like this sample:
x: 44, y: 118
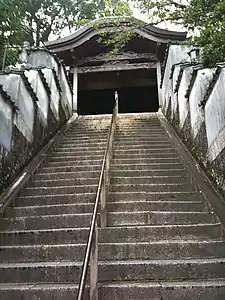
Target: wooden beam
x: 106, y: 58
x: 115, y: 84
x: 116, y: 67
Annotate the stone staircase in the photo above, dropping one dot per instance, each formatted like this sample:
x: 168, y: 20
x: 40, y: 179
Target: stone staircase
x: 162, y: 241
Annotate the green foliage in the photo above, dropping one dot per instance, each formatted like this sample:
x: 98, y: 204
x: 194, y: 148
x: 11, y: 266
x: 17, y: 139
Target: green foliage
x: 12, y: 28
x: 203, y: 19
x: 36, y: 20
x: 116, y: 11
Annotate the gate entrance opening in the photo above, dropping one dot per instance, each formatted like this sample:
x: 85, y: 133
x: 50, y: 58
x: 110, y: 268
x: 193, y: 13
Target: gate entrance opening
x: 131, y: 100
x: 137, y: 91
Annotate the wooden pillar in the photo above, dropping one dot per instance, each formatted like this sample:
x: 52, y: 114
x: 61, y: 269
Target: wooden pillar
x: 75, y: 88
x: 158, y: 70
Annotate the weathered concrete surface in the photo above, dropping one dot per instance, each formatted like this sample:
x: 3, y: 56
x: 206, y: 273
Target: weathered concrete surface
x: 163, y: 241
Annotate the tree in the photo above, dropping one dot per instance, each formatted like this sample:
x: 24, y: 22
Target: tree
x: 36, y: 20
x: 12, y: 27
x: 203, y: 19
x: 44, y: 17
x: 118, y: 37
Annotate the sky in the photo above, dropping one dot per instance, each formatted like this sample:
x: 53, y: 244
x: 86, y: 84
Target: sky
x: 138, y: 15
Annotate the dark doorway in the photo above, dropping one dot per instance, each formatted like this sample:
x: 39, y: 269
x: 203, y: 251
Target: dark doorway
x: 138, y: 99
x: 131, y: 100
x: 94, y: 102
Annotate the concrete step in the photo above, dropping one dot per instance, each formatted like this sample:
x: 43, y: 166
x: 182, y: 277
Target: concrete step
x: 149, y: 179
x: 68, y: 272
x: 159, y: 217
x: 124, y: 234
x: 155, y: 196
x: 70, y: 168
x: 161, y: 290
x: 152, y: 172
x: 49, y: 199
x: 157, y: 142
x: 72, y: 181
x: 71, y: 162
x: 86, y: 134
x: 142, y: 139
x: 147, y: 147
x: 113, y: 219
x: 53, y: 209
x: 78, y: 153
x: 54, y: 190
x: 143, y: 165
x: 115, y: 251
x: 143, y: 151
x: 74, y: 148
x: 83, y: 140
x: 77, y: 158
x: 145, y: 160
x: 147, y: 155
x: 67, y: 175
x: 79, y: 144
x: 152, y: 187
x: 185, y: 290
x: 113, y: 197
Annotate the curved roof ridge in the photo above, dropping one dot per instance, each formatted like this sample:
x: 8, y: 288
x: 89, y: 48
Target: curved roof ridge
x: 107, y: 22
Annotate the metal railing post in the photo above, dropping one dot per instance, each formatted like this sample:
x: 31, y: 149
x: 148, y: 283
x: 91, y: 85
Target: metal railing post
x: 91, y: 253
x: 103, y: 202
x: 94, y: 266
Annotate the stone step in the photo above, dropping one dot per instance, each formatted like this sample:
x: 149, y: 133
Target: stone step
x: 142, y: 139
x: 83, y: 140
x: 152, y: 187
x: 80, y: 163
x: 143, y: 151
x: 86, y: 134
x: 77, y: 158
x: 129, y: 270
x: 113, y: 196
x: 73, y: 148
x: 147, y: 155
x: 124, y: 234
x: 143, y: 143
x: 113, y: 219
x: 115, y: 251
x: 132, y: 166
x: 161, y: 290
x: 54, y: 190
x: 145, y: 160
x: 156, y: 172
x: 53, y: 209
x: 78, y: 153
x: 67, y: 175
x: 70, y: 181
x: 49, y: 199
x: 71, y: 168
x: 158, y: 218
x: 85, y: 144
x: 158, y: 290
x: 149, y: 179
x: 137, y: 146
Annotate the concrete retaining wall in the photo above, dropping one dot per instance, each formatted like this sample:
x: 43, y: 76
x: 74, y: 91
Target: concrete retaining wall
x: 34, y: 103
x: 194, y: 103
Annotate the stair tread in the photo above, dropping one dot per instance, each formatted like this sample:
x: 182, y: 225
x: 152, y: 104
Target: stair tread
x: 109, y: 262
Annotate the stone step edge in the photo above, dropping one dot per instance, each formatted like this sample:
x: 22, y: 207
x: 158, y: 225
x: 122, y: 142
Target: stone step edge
x: 116, y: 284
x: 76, y: 229
x: 115, y: 263
x: 160, y: 242
x: 108, y: 203
x: 114, y: 213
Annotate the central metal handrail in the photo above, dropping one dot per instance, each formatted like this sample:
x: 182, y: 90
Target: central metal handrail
x: 91, y: 253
